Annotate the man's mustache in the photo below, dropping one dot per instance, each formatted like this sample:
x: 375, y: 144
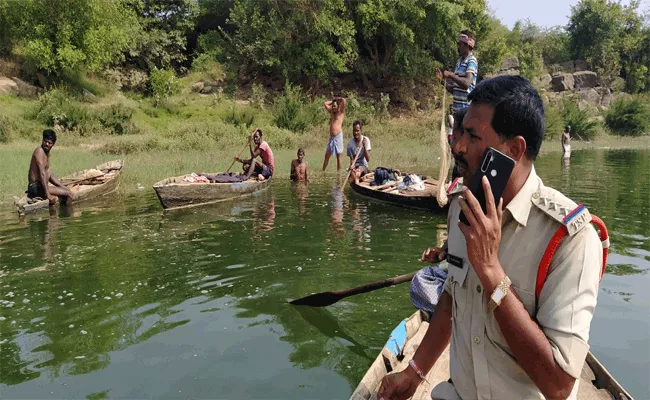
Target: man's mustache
x: 460, y: 160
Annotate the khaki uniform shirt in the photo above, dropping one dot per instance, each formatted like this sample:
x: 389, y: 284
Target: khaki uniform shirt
x: 482, y: 365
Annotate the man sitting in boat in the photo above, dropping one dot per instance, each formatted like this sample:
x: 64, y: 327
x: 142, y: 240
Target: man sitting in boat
x: 510, y: 337
x: 362, y: 147
x: 263, y: 169
x: 299, y: 168
x: 40, y: 176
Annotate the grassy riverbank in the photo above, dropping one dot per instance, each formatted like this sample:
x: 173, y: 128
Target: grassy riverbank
x: 192, y: 132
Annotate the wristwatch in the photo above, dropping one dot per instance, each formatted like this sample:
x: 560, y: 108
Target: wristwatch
x: 499, y: 293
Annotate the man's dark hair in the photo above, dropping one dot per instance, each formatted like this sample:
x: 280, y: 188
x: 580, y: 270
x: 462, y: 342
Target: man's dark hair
x: 300, y: 150
x: 49, y: 134
x: 567, y: 128
x: 259, y: 131
x: 469, y: 34
x: 459, y: 115
x: 357, y: 122
x: 518, y: 109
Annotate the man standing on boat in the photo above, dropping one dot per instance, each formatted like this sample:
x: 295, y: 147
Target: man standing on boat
x: 40, y: 176
x: 461, y: 82
x: 509, y: 337
x: 263, y: 169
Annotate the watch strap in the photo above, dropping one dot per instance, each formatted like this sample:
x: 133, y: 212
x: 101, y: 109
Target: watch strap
x: 504, y: 285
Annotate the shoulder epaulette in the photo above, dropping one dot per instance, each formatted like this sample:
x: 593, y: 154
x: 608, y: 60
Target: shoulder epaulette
x: 557, y: 206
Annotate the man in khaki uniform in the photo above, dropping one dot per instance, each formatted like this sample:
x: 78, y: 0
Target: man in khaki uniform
x: 505, y: 342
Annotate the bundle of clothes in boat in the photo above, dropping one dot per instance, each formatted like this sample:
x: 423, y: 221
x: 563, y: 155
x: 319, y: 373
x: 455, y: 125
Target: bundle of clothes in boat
x: 223, y: 177
x: 383, y: 176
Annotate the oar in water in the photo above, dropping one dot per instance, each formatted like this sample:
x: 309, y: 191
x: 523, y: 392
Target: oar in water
x: 324, y: 299
x: 353, y: 163
x: 241, y: 151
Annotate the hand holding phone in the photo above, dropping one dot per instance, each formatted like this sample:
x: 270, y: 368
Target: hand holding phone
x: 497, y: 167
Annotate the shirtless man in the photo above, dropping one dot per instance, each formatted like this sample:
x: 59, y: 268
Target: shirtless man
x: 40, y: 175
x: 336, y: 109
x: 299, y: 168
x: 566, y: 142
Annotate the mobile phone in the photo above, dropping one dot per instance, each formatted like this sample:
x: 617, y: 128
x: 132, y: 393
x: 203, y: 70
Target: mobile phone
x: 497, y: 167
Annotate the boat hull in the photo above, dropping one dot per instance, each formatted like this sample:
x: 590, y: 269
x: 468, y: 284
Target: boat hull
x: 410, y: 333
x: 426, y: 200
x: 173, y: 193
x: 84, y: 192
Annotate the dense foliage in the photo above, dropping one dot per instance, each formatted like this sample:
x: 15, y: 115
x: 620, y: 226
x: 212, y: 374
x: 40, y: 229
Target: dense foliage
x: 629, y: 116
x: 310, y: 42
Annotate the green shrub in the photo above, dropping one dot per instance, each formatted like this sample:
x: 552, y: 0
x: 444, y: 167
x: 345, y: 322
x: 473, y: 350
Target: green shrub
x: 163, y: 83
x: 258, y: 96
x: 582, y: 125
x: 359, y: 109
x: 57, y: 108
x: 240, y: 118
x: 293, y: 114
x: 7, y: 129
x: 117, y: 118
x: 628, y: 117
x: 382, y: 106
x: 554, y: 122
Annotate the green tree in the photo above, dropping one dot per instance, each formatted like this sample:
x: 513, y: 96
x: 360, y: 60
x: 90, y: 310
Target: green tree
x: 296, y: 38
x: 65, y: 35
x: 162, y: 41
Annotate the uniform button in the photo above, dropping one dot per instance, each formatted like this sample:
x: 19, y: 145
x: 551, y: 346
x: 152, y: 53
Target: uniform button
x: 477, y: 340
x: 478, y: 288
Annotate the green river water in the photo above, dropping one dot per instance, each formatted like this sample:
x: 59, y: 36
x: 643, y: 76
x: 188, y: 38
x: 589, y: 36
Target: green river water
x: 119, y: 299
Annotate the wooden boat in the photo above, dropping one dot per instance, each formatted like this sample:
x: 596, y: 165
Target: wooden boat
x: 174, y: 193
x: 596, y: 383
x: 420, y: 199
x: 85, y: 185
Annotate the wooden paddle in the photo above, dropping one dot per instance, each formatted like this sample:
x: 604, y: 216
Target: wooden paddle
x: 239, y: 154
x: 324, y: 299
x: 353, y: 164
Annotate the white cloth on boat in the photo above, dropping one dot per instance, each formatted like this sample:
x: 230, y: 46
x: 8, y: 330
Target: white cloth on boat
x: 194, y: 178
x: 411, y: 182
x: 426, y: 288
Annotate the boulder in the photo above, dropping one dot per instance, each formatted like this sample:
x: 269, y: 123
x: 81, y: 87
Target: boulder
x: 87, y: 93
x: 590, y: 96
x: 207, y: 89
x: 542, y: 81
x: 585, y: 79
x: 7, y: 86
x: 198, y: 86
x: 25, y: 89
x: 509, y: 63
x: 562, y: 82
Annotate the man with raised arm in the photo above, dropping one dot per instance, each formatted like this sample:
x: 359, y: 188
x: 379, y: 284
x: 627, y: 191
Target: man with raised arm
x: 508, y: 337
x: 336, y: 109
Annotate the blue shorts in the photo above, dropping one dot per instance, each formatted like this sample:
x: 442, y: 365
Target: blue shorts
x: 266, y: 172
x: 335, y: 145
